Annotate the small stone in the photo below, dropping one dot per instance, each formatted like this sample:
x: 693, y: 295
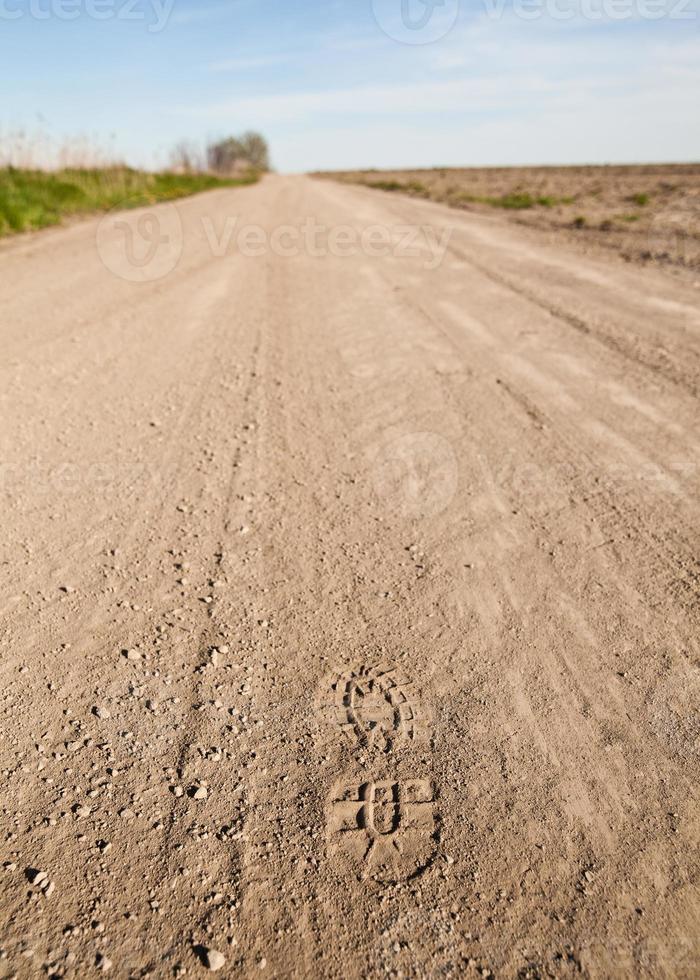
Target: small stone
x: 213, y: 959
x: 199, y: 792
x: 103, y: 962
x: 132, y: 654
x: 99, y: 711
x: 36, y: 877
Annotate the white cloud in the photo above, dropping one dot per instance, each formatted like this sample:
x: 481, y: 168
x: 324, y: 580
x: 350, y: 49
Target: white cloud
x: 494, y: 92
x: 434, y: 97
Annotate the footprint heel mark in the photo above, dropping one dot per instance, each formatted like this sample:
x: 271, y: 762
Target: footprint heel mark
x: 387, y: 829
x: 373, y: 706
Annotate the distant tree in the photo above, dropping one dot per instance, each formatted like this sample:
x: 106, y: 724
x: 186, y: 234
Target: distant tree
x: 256, y: 150
x: 246, y: 152
x: 187, y: 158
x: 222, y: 156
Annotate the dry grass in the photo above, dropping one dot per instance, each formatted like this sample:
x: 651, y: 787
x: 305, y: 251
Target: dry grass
x: 43, y: 181
x: 645, y: 213
x: 32, y: 199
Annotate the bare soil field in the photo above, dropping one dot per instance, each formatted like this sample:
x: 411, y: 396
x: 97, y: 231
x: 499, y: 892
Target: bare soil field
x: 348, y: 596
x: 647, y: 214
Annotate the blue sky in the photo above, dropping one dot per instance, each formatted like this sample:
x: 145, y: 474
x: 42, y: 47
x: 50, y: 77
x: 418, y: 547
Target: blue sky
x: 333, y: 84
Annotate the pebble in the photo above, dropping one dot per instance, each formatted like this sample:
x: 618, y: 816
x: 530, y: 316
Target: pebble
x: 40, y: 880
x: 101, y: 712
x: 199, y: 792
x: 103, y: 963
x: 132, y: 654
x: 214, y: 960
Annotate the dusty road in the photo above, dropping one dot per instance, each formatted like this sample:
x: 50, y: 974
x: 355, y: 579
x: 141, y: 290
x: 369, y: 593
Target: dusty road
x: 402, y: 543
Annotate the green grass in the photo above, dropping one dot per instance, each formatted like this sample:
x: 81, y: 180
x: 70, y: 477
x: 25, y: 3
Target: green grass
x: 641, y: 200
x: 32, y: 199
x: 456, y: 196
x: 523, y: 200
x: 411, y: 187
x: 518, y: 200
x: 386, y: 185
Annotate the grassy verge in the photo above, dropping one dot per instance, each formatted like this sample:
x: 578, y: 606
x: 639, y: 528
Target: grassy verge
x: 31, y: 199
x: 516, y: 201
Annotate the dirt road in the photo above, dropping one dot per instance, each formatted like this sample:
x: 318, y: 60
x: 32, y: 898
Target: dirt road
x: 349, y: 597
